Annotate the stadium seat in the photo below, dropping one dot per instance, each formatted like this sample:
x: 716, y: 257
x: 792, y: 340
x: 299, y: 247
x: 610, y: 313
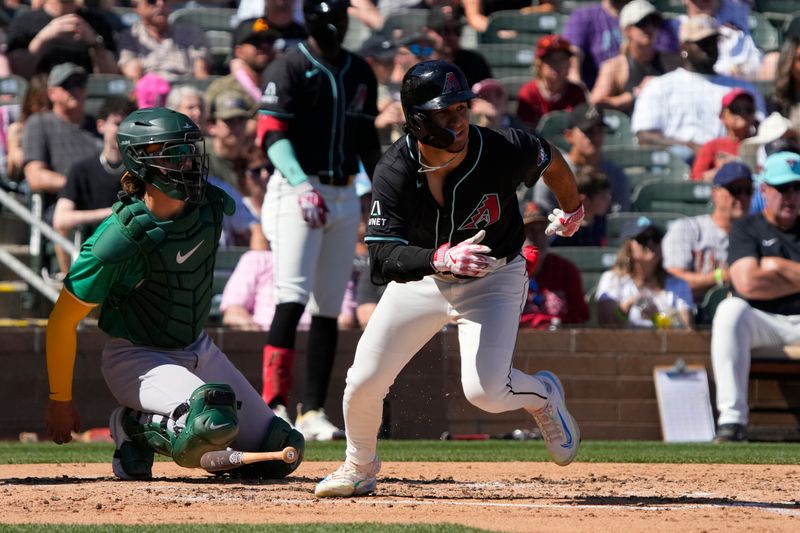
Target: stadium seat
x: 405, y: 22
x: 592, y: 261
x: 101, y: 86
x: 765, y: 35
x: 508, y: 60
x: 205, y: 18
x: 615, y: 222
x: 640, y: 163
x: 686, y: 197
x: 669, y: 6
x: 12, y: 90
x: 618, y: 129
x: 511, y: 26
x: 777, y: 6
x: 552, y: 126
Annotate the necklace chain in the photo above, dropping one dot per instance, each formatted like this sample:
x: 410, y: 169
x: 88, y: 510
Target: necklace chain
x: 429, y: 168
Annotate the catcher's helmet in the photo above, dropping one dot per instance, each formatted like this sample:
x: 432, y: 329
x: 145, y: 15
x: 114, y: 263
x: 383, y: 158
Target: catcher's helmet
x: 165, y: 148
x: 326, y: 21
x: 430, y: 86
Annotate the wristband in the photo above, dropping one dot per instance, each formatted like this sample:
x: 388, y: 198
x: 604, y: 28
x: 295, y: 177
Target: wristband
x: 718, y: 276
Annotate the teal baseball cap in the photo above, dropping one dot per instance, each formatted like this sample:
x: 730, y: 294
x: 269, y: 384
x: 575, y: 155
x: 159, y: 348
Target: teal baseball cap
x: 781, y: 168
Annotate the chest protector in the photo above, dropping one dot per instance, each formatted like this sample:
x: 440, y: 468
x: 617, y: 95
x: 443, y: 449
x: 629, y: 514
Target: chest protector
x: 170, y: 306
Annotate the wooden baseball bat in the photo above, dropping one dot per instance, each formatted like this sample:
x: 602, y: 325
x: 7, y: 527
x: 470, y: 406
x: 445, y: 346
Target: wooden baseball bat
x: 227, y: 459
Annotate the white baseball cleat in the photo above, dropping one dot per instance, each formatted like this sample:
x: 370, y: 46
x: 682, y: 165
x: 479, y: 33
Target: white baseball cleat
x: 349, y: 480
x: 559, y: 430
x: 314, y: 425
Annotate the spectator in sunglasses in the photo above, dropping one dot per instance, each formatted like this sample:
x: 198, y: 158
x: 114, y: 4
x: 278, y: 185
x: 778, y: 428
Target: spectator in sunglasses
x: 696, y: 248
x: 410, y: 51
x: 622, y: 77
x: 738, y: 115
x: 444, y: 28
x: 764, y: 258
x: 637, y: 292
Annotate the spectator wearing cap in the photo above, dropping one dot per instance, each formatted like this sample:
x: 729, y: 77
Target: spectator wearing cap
x: 379, y: 52
x: 681, y: 109
x: 550, y: 90
x: 738, y: 54
x: 55, y: 140
x: 444, y: 26
x: 93, y: 182
x: 253, y: 49
x: 490, y: 107
x: 594, y: 32
x: 411, y: 50
x: 60, y: 31
x: 284, y: 16
x: 623, y: 77
x: 738, y: 115
x: 764, y: 258
x: 228, y: 123
x: 637, y: 291
x: 555, y: 289
x: 696, y: 248
x: 586, y: 132
x: 153, y: 44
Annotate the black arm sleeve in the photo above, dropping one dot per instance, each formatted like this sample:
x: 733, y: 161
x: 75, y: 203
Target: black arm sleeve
x: 401, y: 263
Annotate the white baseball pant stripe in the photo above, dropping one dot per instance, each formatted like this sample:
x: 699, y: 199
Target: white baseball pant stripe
x: 152, y: 380
x: 738, y: 328
x: 311, y: 265
x: 486, y: 311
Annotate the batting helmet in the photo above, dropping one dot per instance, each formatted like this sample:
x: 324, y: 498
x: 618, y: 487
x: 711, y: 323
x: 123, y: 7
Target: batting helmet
x: 326, y: 21
x: 165, y: 148
x: 430, y: 86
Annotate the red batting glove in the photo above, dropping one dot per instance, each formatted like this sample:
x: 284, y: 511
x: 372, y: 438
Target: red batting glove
x: 531, y: 255
x: 312, y: 205
x: 564, y: 224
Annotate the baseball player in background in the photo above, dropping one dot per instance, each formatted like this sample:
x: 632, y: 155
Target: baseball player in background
x: 445, y: 231
x: 149, y: 266
x: 316, y: 121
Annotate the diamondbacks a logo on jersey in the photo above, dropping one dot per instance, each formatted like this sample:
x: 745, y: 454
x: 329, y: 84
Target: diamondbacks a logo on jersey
x: 376, y: 215
x: 357, y: 103
x: 451, y: 84
x: 270, y: 95
x: 485, y: 214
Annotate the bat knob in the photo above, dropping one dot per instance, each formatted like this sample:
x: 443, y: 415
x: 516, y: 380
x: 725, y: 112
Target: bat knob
x: 290, y: 455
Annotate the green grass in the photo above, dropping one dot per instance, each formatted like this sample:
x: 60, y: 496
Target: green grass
x: 463, y: 451
x: 238, y: 528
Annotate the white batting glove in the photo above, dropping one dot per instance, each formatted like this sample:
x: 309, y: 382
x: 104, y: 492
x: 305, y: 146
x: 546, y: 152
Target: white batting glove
x: 564, y: 224
x: 467, y: 258
x: 312, y: 205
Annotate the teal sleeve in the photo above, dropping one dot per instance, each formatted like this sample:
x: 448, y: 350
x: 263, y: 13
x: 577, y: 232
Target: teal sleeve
x: 282, y: 155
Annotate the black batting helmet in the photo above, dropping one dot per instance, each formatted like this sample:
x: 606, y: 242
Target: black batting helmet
x: 430, y: 86
x: 326, y: 21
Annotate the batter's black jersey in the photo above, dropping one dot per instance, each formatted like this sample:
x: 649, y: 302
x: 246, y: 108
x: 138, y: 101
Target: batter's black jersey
x: 330, y: 109
x: 755, y: 237
x: 479, y: 194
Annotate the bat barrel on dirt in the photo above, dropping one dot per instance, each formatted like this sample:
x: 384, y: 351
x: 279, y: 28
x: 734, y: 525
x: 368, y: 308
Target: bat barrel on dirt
x: 228, y: 459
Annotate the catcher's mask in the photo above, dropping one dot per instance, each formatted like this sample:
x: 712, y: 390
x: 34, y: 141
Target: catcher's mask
x: 326, y: 21
x: 430, y: 86
x: 166, y: 149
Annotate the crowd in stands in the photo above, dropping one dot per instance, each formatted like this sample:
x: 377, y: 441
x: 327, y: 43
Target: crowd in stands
x: 697, y: 86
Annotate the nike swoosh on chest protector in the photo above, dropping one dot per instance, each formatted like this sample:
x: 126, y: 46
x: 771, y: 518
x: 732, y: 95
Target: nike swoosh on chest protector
x: 181, y: 258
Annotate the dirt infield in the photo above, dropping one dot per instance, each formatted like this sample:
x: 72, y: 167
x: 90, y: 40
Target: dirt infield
x: 493, y: 496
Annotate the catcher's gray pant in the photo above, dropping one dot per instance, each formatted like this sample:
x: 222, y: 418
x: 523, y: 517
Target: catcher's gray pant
x: 486, y: 311
x: 311, y: 265
x: 738, y: 328
x: 154, y: 380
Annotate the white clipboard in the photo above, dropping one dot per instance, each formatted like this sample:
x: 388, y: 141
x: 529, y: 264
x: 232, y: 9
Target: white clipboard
x: 684, y: 403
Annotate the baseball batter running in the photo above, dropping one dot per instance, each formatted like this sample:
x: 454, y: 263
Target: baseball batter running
x: 445, y: 231
x: 149, y: 266
x: 316, y: 122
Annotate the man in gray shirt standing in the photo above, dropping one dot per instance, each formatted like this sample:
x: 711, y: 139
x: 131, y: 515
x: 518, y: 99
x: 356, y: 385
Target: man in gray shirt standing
x: 696, y: 248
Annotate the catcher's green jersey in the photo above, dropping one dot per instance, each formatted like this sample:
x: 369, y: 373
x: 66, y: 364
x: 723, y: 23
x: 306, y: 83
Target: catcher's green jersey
x: 152, y: 277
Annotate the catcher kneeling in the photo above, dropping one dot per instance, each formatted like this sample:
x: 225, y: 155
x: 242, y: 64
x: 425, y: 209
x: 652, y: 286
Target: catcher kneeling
x: 149, y: 266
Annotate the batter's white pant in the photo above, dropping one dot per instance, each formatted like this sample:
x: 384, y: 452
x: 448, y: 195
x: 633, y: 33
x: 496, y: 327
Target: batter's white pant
x: 311, y: 265
x: 738, y: 328
x: 486, y: 311
x: 154, y: 380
